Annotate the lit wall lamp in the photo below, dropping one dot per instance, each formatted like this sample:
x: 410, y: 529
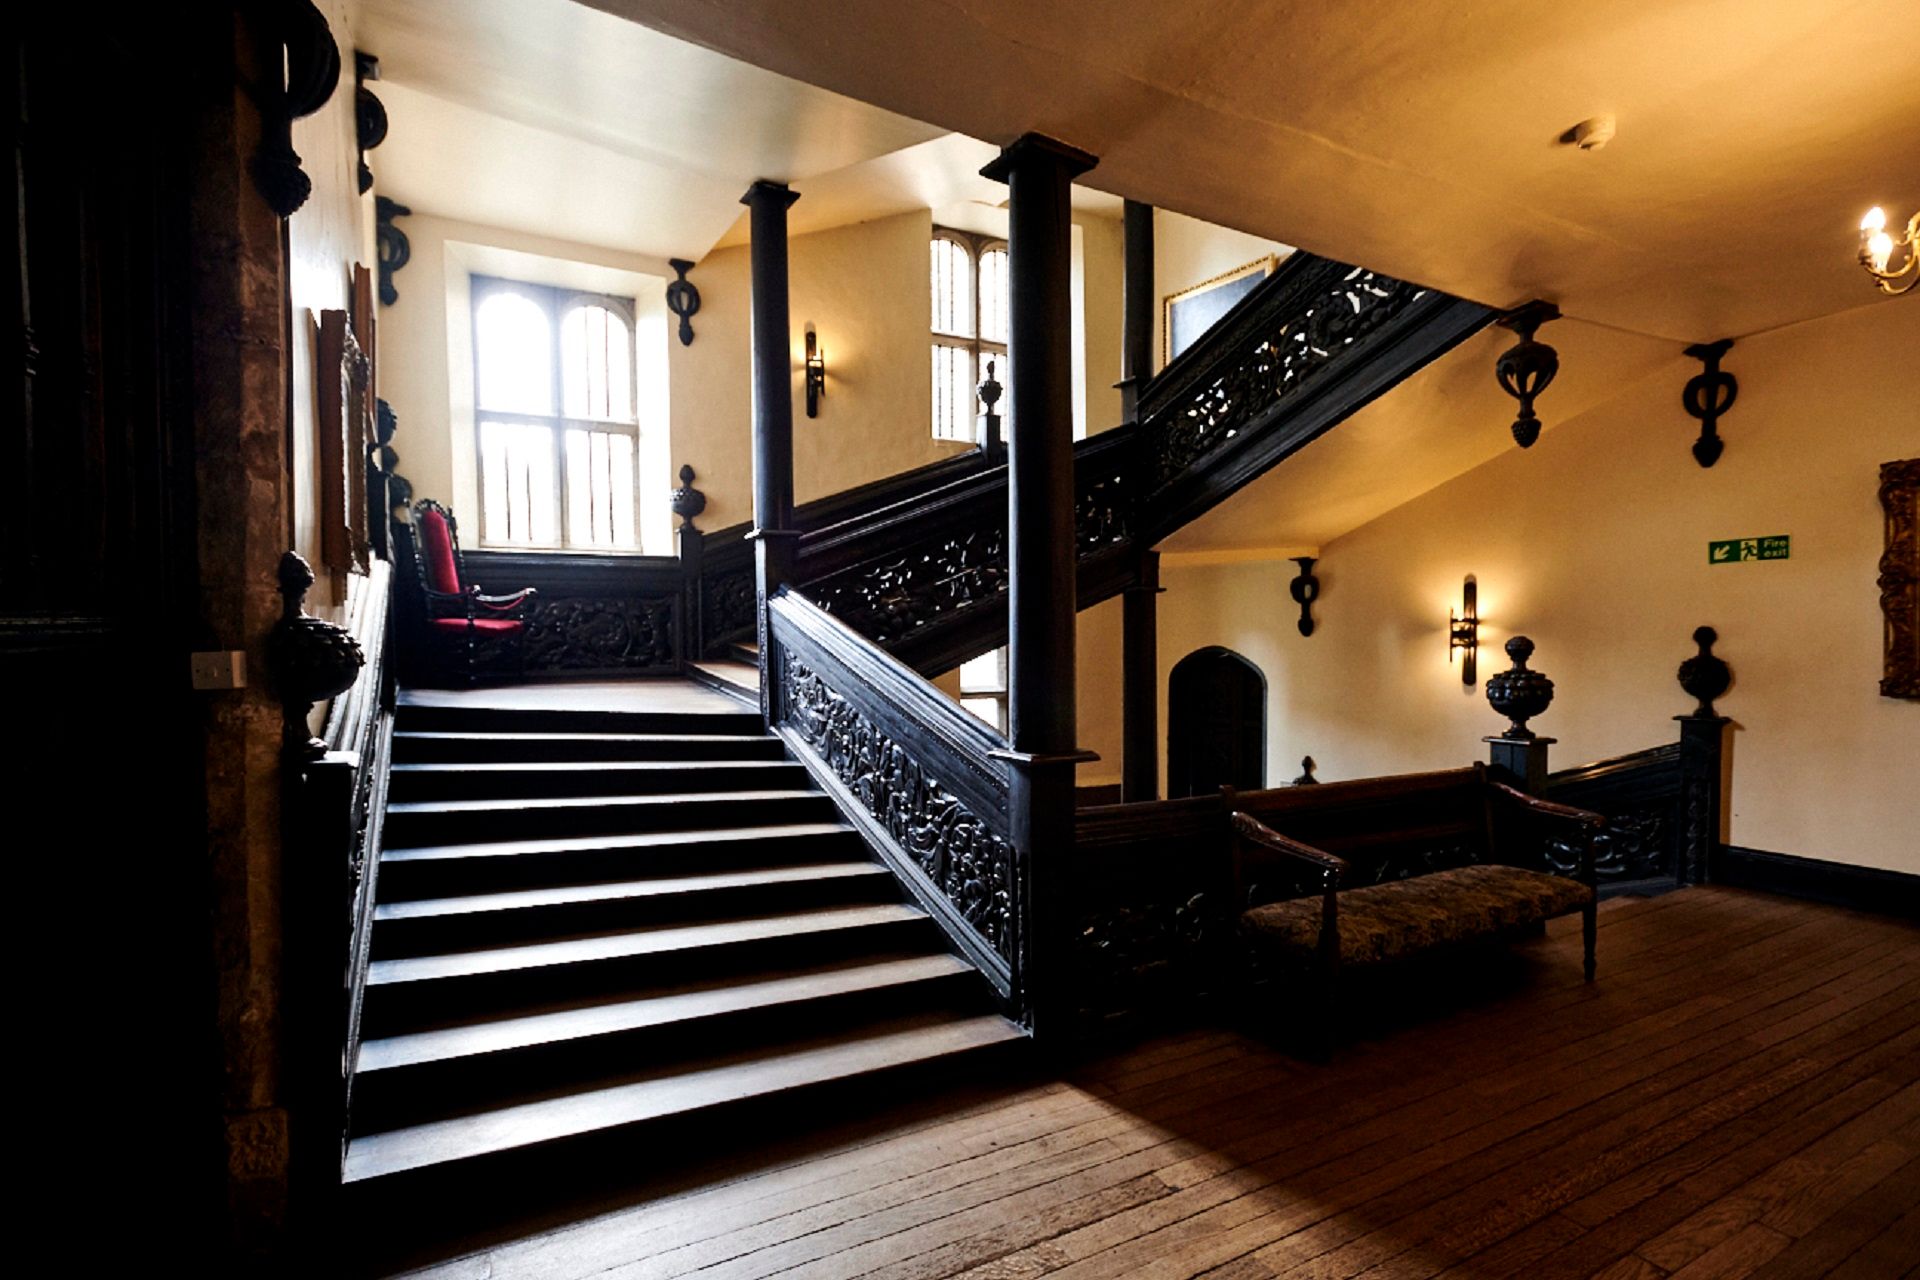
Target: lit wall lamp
x: 816, y: 374
x: 1463, y: 632
x: 1878, y: 244
x: 1876, y: 251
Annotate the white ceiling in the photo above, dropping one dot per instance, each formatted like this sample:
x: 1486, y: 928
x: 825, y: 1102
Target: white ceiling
x: 552, y: 117
x: 1421, y: 139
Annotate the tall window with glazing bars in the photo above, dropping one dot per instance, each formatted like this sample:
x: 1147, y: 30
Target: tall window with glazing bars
x: 554, y: 401
x: 969, y: 293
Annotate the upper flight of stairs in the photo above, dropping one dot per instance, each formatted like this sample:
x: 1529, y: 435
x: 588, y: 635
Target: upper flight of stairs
x: 587, y: 921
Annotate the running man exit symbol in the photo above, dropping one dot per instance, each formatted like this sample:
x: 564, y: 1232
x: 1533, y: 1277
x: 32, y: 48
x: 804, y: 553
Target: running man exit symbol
x: 1734, y: 550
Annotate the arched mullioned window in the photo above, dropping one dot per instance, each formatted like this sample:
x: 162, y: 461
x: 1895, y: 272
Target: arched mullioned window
x: 968, y: 291
x: 555, y: 409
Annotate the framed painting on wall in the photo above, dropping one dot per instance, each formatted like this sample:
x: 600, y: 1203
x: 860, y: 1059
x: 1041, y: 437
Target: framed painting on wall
x: 1900, y: 577
x: 1185, y: 315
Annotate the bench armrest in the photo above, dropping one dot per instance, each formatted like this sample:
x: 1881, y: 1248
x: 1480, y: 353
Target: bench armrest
x: 1249, y: 831
x: 1588, y: 823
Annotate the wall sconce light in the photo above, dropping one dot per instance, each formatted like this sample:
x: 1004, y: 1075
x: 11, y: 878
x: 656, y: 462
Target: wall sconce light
x: 1877, y: 246
x: 816, y: 374
x: 1526, y: 368
x: 1463, y: 632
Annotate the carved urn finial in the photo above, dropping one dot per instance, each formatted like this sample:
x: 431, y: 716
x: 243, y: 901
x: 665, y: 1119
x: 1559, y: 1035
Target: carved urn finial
x: 1306, y: 778
x: 1705, y: 676
x: 1519, y: 694
x: 311, y: 660
x: 688, y: 501
x: 990, y: 389
x: 1526, y: 368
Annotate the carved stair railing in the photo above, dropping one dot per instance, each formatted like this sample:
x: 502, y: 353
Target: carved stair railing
x: 333, y: 811
x: 1657, y: 834
x: 925, y: 782
x: 920, y: 566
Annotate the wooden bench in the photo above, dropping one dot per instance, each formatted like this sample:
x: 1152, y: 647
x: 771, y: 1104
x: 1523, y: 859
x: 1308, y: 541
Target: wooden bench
x: 1372, y: 872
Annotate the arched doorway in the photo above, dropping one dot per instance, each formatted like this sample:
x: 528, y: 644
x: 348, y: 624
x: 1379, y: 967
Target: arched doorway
x: 1216, y: 723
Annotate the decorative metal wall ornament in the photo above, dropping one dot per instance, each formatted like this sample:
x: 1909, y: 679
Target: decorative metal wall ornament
x: 1876, y: 251
x: 1526, y: 368
x: 311, y: 660
x: 688, y: 501
x: 391, y: 243
x: 1463, y: 632
x: 1707, y: 395
x: 1705, y: 676
x: 1519, y: 694
x: 1305, y: 589
x: 816, y: 373
x: 683, y: 298
x: 312, y: 71
x: 399, y: 488
x: 1899, y: 580
x: 369, y: 114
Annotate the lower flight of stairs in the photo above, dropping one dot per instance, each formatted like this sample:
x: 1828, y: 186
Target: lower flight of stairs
x: 589, y: 922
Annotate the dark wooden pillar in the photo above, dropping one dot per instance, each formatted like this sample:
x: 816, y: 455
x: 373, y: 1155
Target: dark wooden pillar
x: 1140, y: 684
x: 1040, y: 611
x: 773, y: 532
x: 1137, y: 299
x: 1701, y: 741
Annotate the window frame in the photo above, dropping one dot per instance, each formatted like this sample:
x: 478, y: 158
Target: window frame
x: 976, y: 246
x: 556, y: 302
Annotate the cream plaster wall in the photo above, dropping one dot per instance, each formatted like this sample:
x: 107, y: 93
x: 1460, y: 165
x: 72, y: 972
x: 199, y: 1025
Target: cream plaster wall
x: 325, y: 237
x: 1187, y: 251
x: 1593, y: 543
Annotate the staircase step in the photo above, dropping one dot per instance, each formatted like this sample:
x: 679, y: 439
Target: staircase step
x: 407, y: 1079
x: 412, y: 927
x: 445, y: 869
x: 412, y: 993
x: 523, y: 779
x: 413, y: 716
x: 465, y: 821
x: 439, y: 746
x: 615, y: 1107
x: 740, y: 678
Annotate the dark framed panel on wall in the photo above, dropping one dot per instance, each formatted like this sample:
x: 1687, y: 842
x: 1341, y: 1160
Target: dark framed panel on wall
x: 1185, y: 315
x: 1900, y: 577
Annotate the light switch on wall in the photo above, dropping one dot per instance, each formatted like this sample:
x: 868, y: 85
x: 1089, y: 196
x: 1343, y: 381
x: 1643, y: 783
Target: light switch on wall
x: 224, y: 669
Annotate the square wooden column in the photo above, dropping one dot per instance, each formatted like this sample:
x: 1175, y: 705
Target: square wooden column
x: 773, y: 533
x: 1041, y: 560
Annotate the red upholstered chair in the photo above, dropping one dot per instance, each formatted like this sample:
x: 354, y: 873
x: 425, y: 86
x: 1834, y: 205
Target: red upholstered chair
x: 480, y: 630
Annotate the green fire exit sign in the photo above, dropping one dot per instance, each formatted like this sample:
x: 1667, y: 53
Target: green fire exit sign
x: 1736, y: 549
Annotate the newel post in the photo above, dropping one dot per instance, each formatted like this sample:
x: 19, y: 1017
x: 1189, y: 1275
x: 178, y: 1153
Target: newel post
x: 1520, y: 694
x: 773, y: 533
x: 1041, y: 558
x: 688, y: 503
x: 1703, y: 734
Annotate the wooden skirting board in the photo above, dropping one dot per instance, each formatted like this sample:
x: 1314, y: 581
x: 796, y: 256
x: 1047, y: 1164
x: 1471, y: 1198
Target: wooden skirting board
x: 1873, y: 889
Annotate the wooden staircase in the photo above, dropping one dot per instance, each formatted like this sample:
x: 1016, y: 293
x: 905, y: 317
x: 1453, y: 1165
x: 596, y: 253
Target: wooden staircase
x: 588, y: 921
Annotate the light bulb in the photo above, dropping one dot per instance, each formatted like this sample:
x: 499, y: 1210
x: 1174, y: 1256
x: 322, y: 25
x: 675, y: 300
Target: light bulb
x: 1875, y: 220
x: 1879, y: 249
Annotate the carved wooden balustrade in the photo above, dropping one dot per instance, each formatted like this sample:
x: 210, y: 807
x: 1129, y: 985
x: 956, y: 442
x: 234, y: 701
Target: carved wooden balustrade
x: 926, y: 782
x: 918, y: 562
x: 1662, y: 817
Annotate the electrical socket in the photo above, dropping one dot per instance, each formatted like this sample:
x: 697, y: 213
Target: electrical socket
x: 222, y: 669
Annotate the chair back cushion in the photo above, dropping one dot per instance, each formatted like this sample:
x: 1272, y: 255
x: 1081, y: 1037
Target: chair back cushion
x: 436, y: 545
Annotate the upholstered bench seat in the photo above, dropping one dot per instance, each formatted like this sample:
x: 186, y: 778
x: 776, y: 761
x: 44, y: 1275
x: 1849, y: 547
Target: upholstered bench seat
x: 1385, y: 922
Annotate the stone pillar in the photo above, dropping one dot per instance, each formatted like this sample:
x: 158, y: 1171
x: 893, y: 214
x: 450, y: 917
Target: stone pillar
x: 1136, y: 329
x: 1041, y: 562
x: 773, y: 533
x: 1140, y: 684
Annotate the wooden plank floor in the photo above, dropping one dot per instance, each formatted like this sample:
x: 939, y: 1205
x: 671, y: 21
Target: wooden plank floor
x: 1739, y: 1095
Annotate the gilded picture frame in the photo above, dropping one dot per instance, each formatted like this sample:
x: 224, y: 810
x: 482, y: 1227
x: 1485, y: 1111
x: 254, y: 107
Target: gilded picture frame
x: 1900, y: 577
x: 1190, y: 312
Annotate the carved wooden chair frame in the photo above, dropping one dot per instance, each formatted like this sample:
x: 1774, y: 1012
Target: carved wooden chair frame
x: 469, y: 602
